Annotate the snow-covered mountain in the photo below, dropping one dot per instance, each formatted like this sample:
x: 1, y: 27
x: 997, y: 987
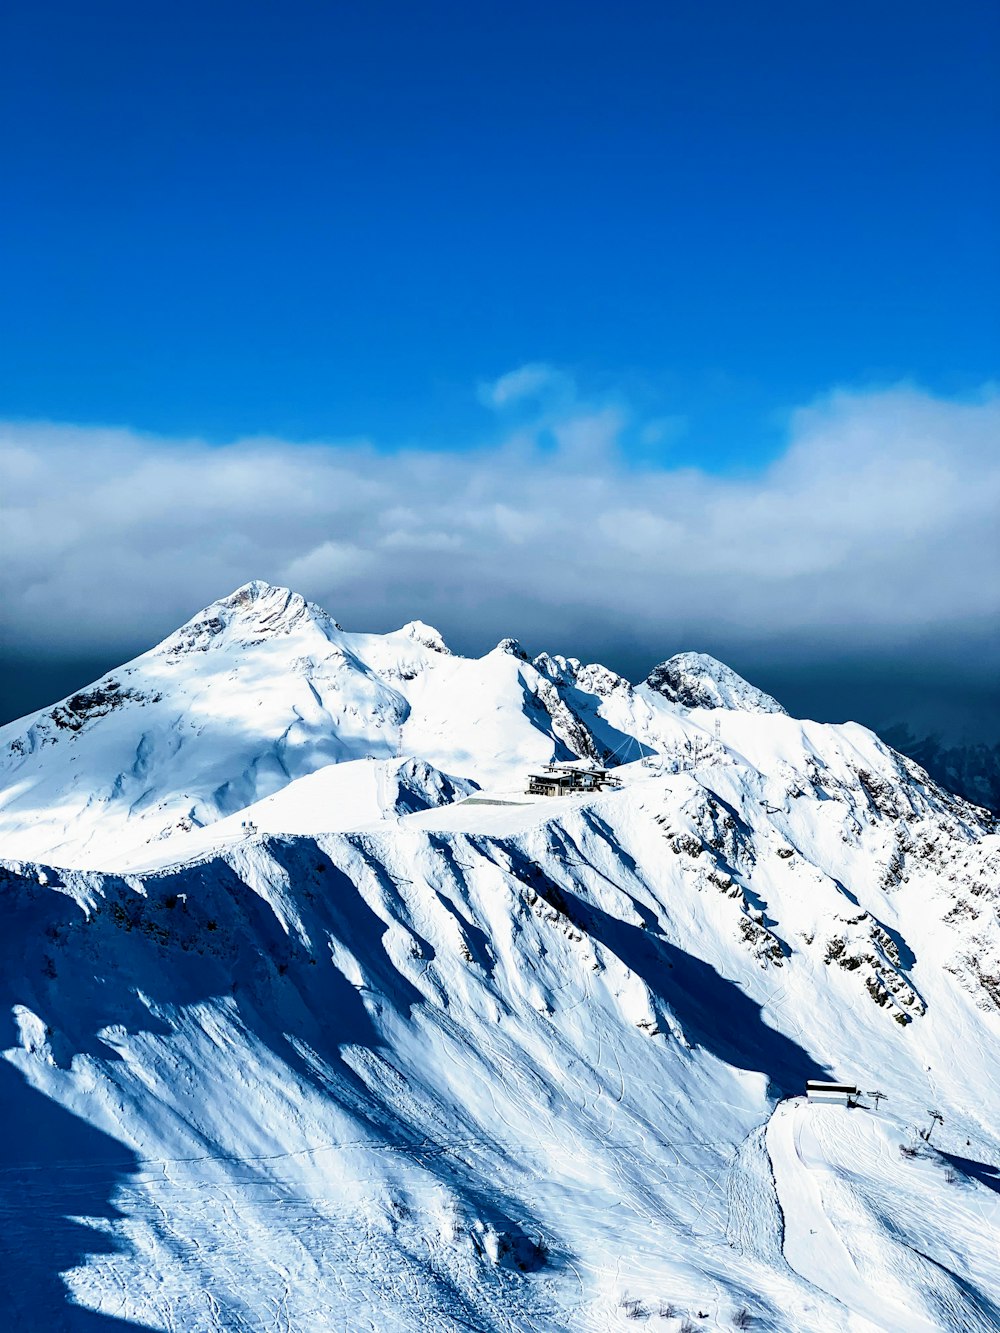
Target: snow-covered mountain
x: 698, y: 681
x: 262, y: 688
x: 323, y: 1023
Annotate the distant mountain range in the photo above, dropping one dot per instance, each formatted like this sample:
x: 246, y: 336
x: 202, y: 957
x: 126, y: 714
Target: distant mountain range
x: 971, y: 770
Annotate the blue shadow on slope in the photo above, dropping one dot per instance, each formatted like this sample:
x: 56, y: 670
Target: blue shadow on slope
x: 712, y: 1011
x: 984, y: 1172
x: 197, y: 934
x: 54, y: 1167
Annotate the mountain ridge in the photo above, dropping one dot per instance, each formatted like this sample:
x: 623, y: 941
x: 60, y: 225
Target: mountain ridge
x: 329, y: 696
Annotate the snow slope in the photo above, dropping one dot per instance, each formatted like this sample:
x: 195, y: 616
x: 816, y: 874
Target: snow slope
x: 390, y: 1059
x: 350, y: 795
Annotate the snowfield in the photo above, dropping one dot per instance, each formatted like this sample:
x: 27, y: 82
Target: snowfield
x: 317, y: 1021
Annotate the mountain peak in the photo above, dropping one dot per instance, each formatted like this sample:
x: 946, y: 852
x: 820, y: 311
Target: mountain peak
x: 269, y: 602
x: 695, y: 680
x: 561, y: 669
x: 512, y: 648
x: 427, y: 635
x: 255, y: 610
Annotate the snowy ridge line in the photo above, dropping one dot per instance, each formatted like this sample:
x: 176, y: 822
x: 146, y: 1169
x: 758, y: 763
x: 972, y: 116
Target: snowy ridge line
x: 262, y: 690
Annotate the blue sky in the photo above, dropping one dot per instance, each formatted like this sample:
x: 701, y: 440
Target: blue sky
x: 322, y: 220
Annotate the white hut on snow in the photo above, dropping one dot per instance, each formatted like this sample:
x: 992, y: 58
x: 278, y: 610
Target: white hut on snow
x: 834, y: 1094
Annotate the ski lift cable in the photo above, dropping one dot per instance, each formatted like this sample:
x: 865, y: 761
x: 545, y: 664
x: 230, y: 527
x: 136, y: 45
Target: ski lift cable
x: 626, y: 746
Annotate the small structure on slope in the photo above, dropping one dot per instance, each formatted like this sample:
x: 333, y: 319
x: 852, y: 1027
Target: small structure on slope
x: 565, y: 780
x: 834, y: 1094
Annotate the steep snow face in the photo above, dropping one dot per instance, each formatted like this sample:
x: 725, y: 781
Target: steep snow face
x: 696, y: 680
x: 533, y: 1067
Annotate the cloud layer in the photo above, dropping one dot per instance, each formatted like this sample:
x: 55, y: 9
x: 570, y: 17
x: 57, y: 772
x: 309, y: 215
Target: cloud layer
x: 873, y: 532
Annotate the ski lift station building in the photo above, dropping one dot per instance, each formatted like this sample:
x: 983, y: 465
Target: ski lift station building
x: 833, y: 1094
x: 565, y: 780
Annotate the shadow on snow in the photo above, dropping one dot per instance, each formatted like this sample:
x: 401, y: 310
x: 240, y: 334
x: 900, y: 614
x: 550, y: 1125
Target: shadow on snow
x: 54, y: 1169
x: 712, y: 1011
x: 197, y: 935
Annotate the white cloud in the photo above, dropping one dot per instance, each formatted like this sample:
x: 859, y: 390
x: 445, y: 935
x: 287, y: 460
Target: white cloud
x: 535, y: 381
x: 875, y: 526
x: 329, y: 564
